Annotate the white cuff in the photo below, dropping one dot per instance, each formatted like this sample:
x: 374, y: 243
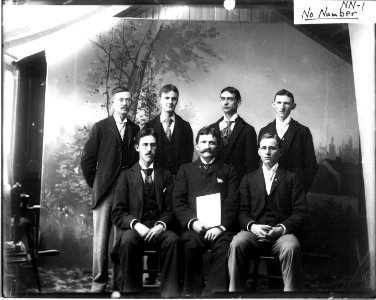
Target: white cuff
x: 284, y: 228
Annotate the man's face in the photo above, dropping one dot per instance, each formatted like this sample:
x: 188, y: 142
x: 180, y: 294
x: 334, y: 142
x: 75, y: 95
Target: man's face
x: 168, y: 101
x: 207, y: 146
x: 146, y: 148
x: 122, y: 102
x: 229, y: 104
x: 283, y: 106
x: 269, y: 152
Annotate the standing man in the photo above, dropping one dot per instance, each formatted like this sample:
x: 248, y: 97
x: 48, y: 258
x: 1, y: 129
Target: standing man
x: 298, y: 153
x: 206, y: 176
x: 273, y: 209
x: 143, y: 212
x: 108, y: 150
x: 175, y: 137
x: 238, y: 142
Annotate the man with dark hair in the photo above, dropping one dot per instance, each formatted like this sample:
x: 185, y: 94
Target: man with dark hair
x: 238, y: 142
x: 175, y: 137
x: 108, y: 149
x: 143, y: 214
x: 298, y: 153
x: 203, y: 177
x: 273, y: 209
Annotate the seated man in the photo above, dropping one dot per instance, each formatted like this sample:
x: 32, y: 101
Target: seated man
x: 143, y: 212
x: 273, y: 208
x: 206, y: 176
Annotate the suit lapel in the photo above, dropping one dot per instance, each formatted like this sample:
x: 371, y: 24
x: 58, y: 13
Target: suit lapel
x: 114, y: 128
x: 214, y: 167
x: 138, y: 182
x: 280, y: 174
x: 198, y: 163
x: 260, y: 179
x: 128, y: 129
x: 239, y: 125
x: 158, y: 184
x: 288, y: 137
x: 177, y: 130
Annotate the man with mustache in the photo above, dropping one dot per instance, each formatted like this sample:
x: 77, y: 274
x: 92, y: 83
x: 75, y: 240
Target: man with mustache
x: 206, y: 176
x: 273, y: 209
x: 143, y: 215
x: 108, y: 150
x: 297, y: 151
x: 238, y: 142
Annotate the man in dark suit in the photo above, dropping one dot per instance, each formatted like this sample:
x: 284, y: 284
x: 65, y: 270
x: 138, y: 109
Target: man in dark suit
x: 238, y: 143
x: 206, y: 176
x: 273, y: 209
x: 175, y: 137
x: 108, y: 150
x: 143, y: 214
x: 298, y: 153
x: 175, y: 142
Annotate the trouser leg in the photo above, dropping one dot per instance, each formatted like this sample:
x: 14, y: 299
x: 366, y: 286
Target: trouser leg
x: 131, y: 248
x: 101, y: 234
x: 194, y: 247
x: 242, y: 247
x: 287, y: 247
x: 170, y: 252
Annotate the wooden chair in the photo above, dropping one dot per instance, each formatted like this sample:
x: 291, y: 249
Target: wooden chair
x: 273, y: 269
x: 22, y: 252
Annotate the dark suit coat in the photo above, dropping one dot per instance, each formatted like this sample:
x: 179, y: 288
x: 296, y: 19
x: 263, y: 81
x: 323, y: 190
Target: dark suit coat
x: 183, y: 136
x: 129, y: 196
x: 102, y: 155
x: 241, y: 150
x: 192, y: 181
x: 298, y: 153
x: 287, y: 199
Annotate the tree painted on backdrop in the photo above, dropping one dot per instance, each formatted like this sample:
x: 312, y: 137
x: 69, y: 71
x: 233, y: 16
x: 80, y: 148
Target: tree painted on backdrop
x: 133, y: 53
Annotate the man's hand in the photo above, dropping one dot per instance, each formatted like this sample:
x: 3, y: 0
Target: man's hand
x: 141, y: 229
x: 274, y: 233
x: 154, y: 233
x: 213, y: 233
x: 260, y: 231
x: 198, y: 226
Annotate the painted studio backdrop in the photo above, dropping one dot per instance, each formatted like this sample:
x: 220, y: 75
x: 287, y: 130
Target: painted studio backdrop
x: 201, y: 58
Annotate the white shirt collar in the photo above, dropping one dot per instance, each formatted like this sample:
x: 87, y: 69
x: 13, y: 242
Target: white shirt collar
x: 283, y: 123
x: 233, y: 118
x: 118, y: 120
x: 142, y: 165
x: 163, y: 117
x: 271, y: 171
x: 204, y: 161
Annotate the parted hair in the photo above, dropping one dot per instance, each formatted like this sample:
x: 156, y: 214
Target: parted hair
x: 145, y: 132
x: 234, y: 91
x: 168, y: 88
x: 206, y: 131
x: 284, y: 92
x: 269, y: 135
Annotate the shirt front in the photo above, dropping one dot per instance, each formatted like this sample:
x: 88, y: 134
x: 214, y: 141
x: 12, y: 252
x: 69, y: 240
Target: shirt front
x: 163, y: 119
x: 282, y: 126
x: 269, y: 176
x: 121, y: 125
x: 223, y: 123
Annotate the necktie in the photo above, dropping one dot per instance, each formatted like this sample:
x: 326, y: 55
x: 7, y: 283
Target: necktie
x: 122, y: 129
x: 168, y: 128
x: 148, y: 180
x: 207, y: 167
x: 226, y: 132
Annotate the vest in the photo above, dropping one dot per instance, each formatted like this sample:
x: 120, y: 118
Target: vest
x: 150, y: 209
x: 169, y: 154
x: 267, y: 216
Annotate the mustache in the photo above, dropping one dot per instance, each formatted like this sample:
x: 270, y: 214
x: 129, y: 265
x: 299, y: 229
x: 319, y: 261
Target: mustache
x: 207, y: 150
